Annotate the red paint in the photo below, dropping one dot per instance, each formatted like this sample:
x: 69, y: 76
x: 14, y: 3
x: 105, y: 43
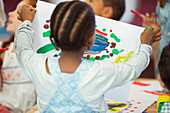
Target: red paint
x: 140, y: 83
x: 4, y: 49
x: 88, y: 57
x: 155, y: 93
x: 138, y: 102
x: 101, y: 33
x: 110, y: 30
x: 46, y: 26
x: 111, y: 47
x: 111, y: 54
x: 58, y: 49
x: 55, y: 55
x: 131, y: 110
x: 132, y: 100
x: 135, y: 107
x: 47, y: 21
x: 136, y: 13
x: 97, y: 57
x: 113, y: 44
x: 107, y: 51
x: 18, y: 74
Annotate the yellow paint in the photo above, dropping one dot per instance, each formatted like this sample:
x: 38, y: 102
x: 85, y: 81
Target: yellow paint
x: 117, y: 109
x: 125, y: 58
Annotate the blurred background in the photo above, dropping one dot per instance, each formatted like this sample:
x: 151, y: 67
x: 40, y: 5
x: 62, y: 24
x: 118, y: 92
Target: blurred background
x: 141, y: 6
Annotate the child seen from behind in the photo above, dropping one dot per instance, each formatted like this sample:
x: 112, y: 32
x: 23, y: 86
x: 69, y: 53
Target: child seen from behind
x: 70, y: 84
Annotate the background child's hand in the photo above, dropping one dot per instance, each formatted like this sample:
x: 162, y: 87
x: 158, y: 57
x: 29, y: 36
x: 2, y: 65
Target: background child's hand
x: 150, y: 35
x: 150, y: 21
x: 27, y: 12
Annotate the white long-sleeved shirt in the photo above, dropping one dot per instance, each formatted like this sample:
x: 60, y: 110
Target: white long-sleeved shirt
x: 101, y: 77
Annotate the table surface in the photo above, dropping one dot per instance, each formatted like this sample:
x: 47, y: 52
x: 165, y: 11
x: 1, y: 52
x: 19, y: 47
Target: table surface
x: 151, y: 109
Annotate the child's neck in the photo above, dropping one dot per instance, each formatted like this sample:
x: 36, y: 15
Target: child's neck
x: 70, y: 61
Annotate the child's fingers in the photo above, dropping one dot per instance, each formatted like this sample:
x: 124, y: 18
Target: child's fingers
x: 33, y: 10
x: 19, y: 11
x: 157, y: 35
x: 148, y: 29
x: 157, y: 39
x: 147, y: 14
x: 156, y: 30
x: 19, y: 17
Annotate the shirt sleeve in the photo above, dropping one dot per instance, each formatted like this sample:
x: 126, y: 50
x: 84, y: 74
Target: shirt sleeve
x: 29, y: 61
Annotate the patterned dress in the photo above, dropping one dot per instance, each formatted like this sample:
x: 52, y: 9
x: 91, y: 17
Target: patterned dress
x: 18, y: 94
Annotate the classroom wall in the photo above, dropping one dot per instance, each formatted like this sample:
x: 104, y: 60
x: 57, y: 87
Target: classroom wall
x: 143, y: 7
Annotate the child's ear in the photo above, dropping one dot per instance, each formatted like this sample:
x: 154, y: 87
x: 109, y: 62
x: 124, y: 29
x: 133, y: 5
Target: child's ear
x: 107, y: 12
x: 161, y: 82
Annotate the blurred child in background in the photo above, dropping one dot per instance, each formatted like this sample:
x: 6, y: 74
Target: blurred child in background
x: 112, y: 9
x: 17, y: 94
x: 162, y: 19
x: 163, y: 103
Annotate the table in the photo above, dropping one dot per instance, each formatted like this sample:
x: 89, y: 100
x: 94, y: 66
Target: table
x: 151, y: 109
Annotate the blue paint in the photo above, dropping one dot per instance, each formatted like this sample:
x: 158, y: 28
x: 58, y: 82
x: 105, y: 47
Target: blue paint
x: 100, y: 43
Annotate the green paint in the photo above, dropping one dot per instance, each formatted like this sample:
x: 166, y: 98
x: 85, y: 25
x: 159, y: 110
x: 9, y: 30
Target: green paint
x: 115, y: 37
x: 46, y: 48
x: 116, y: 52
x: 46, y: 34
x: 148, y: 27
x: 96, y: 26
x: 92, y: 59
x: 103, y: 29
x: 84, y: 58
x: 103, y: 57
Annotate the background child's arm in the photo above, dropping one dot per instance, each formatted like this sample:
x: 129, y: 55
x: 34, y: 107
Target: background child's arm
x: 27, y: 58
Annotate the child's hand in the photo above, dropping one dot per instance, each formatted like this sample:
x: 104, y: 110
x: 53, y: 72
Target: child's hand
x: 150, y: 21
x: 27, y: 12
x: 150, y: 35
